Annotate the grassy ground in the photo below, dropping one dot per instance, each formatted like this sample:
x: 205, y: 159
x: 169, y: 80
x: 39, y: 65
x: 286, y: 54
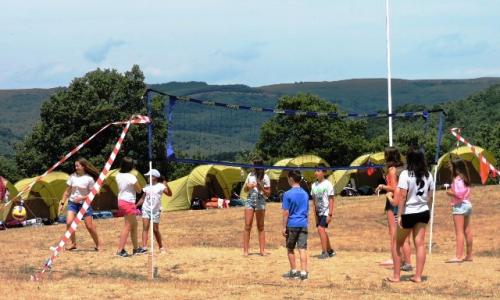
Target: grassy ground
x: 204, y: 258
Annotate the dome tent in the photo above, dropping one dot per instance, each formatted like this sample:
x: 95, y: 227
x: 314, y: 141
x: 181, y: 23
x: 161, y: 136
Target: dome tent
x: 6, y: 208
x: 204, y: 182
x: 471, y: 160
x: 42, y: 200
x: 341, y: 178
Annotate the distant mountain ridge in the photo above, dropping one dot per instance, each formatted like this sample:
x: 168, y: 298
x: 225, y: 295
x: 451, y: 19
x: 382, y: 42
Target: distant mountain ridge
x: 20, y: 109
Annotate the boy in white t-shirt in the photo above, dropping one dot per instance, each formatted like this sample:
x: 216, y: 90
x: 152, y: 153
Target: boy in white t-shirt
x: 151, y: 206
x: 323, y: 196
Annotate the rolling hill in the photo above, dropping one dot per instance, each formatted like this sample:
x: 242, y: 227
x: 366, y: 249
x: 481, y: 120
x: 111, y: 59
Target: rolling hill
x: 19, y: 109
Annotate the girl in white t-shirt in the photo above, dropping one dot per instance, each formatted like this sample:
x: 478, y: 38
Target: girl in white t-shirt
x: 412, y: 195
x: 128, y: 186
x: 258, y: 187
x: 151, y: 206
x: 80, y: 184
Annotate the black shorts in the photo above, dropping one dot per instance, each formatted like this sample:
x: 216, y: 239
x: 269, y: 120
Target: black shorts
x: 321, y: 221
x: 296, y: 236
x: 410, y: 220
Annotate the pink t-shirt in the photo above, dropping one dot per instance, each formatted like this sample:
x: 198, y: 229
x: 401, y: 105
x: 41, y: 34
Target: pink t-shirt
x: 462, y: 192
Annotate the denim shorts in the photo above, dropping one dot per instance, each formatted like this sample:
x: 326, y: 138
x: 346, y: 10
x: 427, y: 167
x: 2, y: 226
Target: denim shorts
x: 75, y: 207
x: 296, y: 236
x: 321, y: 221
x: 462, y: 208
x: 146, y: 214
x: 255, y: 201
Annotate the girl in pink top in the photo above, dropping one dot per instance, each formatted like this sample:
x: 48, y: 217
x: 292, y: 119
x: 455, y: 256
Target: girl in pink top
x: 461, y: 210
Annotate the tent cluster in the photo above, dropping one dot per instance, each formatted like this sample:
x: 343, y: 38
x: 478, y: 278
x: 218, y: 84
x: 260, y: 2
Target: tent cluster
x: 207, y: 181
x: 42, y: 200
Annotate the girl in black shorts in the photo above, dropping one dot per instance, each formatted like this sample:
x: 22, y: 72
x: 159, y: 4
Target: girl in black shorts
x: 413, y: 193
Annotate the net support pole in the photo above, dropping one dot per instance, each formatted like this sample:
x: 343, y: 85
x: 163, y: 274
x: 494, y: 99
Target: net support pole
x: 389, y: 87
x: 150, y: 157
x: 436, y: 158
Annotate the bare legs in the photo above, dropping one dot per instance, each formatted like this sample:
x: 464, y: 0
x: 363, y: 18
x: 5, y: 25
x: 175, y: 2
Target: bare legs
x: 463, y: 233
x: 393, y: 229
x: 303, y: 259
x: 325, y: 240
x: 259, y: 215
x: 419, y: 239
x: 91, y: 228
x: 145, y: 233
x: 130, y: 227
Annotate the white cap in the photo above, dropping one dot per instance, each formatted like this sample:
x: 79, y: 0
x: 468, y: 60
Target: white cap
x: 154, y: 173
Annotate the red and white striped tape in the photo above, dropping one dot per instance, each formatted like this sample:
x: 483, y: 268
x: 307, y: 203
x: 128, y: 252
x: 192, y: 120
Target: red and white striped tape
x: 95, y: 189
x: 456, y: 133
x: 138, y: 119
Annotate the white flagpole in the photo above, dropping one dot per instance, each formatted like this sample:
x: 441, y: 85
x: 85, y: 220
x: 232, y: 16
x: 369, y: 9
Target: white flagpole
x: 389, y: 88
x: 432, y: 209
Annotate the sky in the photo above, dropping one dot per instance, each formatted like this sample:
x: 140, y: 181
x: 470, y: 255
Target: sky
x: 260, y: 42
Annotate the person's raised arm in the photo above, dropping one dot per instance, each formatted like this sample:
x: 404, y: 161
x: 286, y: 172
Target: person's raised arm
x: 167, y: 191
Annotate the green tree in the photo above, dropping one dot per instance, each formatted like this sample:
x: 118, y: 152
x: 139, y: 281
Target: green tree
x: 74, y: 114
x: 337, y: 141
x: 8, y: 168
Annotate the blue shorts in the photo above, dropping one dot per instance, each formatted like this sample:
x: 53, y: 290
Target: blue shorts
x: 75, y: 207
x: 255, y: 201
x: 321, y: 221
x: 462, y: 208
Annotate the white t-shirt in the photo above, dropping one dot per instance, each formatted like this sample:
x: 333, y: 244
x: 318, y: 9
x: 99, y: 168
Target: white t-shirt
x: 321, y: 192
x: 252, y: 178
x: 153, y: 197
x: 126, y: 190
x: 80, y: 186
x: 417, y: 196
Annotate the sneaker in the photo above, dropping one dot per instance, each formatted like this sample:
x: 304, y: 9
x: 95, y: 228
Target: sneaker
x: 304, y: 276
x: 292, y: 274
x: 406, y: 268
x: 332, y: 253
x: 139, y: 251
x: 123, y: 253
x: 324, y: 255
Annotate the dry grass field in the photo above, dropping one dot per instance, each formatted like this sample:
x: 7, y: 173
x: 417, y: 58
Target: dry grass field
x: 204, y: 259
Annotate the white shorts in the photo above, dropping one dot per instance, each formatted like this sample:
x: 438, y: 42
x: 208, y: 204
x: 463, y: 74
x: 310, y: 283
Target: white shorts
x: 146, y: 214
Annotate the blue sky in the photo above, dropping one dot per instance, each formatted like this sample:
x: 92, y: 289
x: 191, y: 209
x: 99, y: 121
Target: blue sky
x: 47, y: 43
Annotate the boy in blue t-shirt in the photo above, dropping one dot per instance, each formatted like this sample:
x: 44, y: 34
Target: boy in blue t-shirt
x: 295, y: 218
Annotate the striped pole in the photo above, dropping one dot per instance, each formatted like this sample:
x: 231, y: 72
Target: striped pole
x: 95, y: 189
x: 474, y: 150
x: 135, y: 120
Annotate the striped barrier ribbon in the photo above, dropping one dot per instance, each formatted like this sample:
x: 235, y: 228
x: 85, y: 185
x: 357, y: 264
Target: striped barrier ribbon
x: 95, y: 189
x: 456, y: 132
x: 137, y: 119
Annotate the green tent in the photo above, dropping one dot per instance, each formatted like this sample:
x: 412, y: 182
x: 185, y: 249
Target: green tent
x: 472, y: 161
x: 278, y: 178
x: 42, y: 200
x: 204, y: 182
x: 6, y: 208
x: 341, y: 178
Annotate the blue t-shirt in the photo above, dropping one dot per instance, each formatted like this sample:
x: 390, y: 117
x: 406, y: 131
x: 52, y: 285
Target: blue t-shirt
x: 295, y: 200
